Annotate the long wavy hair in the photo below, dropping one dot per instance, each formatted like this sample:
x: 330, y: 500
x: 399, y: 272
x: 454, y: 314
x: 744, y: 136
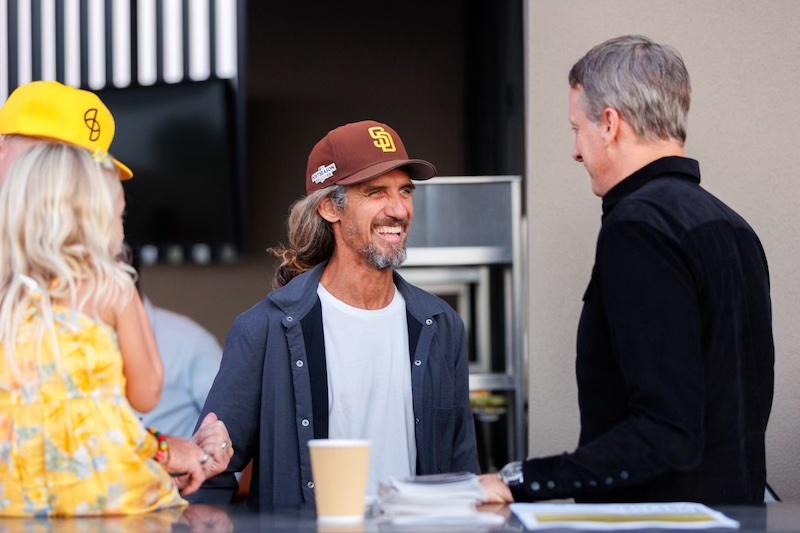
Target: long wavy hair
x: 310, y: 236
x: 59, y: 239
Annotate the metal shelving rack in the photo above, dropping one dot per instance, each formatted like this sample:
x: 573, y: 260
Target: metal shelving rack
x: 476, y: 222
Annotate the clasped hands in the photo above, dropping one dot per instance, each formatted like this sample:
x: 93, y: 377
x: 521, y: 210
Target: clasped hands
x: 204, y: 456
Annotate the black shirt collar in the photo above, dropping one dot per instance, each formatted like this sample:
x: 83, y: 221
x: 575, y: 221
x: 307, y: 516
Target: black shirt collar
x: 673, y: 166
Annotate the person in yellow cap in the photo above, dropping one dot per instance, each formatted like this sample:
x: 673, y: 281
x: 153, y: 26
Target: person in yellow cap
x: 50, y: 111
x: 76, y: 348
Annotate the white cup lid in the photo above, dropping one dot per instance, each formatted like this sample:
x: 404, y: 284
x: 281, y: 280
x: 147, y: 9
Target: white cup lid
x: 338, y: 443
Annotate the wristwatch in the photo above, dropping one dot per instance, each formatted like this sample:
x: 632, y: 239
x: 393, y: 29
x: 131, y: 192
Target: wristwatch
x: 511, y: 474
x: 513, y: 477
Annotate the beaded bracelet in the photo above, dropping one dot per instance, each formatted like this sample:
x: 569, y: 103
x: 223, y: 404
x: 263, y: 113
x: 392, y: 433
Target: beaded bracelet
x: 162, y: 454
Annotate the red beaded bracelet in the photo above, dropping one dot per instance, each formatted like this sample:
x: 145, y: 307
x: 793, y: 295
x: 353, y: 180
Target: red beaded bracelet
x: 162, y: 454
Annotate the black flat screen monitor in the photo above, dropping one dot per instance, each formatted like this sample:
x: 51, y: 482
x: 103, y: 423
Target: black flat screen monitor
x: 179, y: 141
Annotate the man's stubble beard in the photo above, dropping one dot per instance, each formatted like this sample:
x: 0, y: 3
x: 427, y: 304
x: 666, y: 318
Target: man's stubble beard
x: 378, y: 258
x: 384, y: 260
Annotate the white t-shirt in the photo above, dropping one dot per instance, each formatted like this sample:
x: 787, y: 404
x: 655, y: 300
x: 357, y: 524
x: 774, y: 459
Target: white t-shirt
x: 369, y: 383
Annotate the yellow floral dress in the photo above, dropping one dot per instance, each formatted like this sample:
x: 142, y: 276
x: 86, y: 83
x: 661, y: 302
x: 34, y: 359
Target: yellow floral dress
x: 70, y: 444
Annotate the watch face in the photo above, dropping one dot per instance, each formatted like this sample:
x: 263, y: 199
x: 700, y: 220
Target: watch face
x: 511, y: 474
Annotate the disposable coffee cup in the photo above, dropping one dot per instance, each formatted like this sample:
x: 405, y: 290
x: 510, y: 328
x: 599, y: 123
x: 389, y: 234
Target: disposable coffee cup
x: 341, y: 469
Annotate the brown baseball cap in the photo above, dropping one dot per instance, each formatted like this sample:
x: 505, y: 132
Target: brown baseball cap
x: 358, y: 152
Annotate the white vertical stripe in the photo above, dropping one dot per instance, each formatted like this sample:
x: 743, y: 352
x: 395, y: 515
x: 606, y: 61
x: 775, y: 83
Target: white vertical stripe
x: 122, y: 42
x: 72, y: 43
x: 173, y: 40
x: 226, y: 38
x: 24, y: 55
x: 199, y: 56
x: 3, y: 51
x: 48, y: 43
x: 147, y: 42
x: 97, y: 44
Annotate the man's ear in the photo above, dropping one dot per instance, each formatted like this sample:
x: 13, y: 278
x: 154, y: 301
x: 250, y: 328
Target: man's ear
x: 328, y: 211
x: 609, y: 124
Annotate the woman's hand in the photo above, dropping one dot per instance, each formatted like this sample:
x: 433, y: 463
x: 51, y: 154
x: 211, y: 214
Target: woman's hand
x: 185, y: 464
x: 212, y: 436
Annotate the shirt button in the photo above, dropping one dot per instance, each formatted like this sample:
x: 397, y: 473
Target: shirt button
x: 428, y: 322
x: 551, y: 485
x: 577, y: 484
x: 624, y: 474
x: 310, y: 484
x: 609, y: 480
x: 416, y: 420
x: 305, y: 422
x: 417, y: 362
x: 592, y: 483
x: 289, y: 319
x: 299, y: 363
x: 535, y: 486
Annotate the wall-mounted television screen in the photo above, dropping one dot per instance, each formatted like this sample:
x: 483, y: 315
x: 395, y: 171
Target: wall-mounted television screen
x: 183, y: 203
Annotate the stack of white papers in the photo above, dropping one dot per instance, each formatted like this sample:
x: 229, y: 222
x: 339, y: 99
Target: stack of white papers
x: 440, y: 499
x: 676, y: 515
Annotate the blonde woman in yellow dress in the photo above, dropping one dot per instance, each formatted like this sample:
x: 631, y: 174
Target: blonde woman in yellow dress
x: 76, y: 350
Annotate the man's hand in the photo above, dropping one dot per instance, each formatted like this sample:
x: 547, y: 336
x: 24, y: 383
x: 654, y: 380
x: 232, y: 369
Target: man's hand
x: 496, y: 490
x: 184, y: 463
x: 212, y: 436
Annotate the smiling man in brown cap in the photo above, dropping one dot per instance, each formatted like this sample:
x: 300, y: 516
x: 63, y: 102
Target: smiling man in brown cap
x: 345, y: 348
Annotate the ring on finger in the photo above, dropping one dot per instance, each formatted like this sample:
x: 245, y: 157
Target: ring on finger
x: 205, y: 459
x: 224, y: 445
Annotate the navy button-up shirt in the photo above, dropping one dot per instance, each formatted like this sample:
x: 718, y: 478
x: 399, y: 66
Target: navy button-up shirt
x: 271, y: 392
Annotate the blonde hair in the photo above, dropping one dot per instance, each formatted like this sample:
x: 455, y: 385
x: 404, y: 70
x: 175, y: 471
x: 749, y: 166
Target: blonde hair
x: 58, y: 233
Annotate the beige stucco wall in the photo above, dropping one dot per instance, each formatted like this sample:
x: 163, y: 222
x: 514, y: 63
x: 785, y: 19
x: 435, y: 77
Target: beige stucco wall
x: 744, y: 127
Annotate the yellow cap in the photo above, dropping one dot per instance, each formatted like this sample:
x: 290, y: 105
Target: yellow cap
x: 55, y: 111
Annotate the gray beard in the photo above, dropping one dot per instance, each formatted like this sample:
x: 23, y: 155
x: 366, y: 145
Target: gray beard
x: 383, y: 260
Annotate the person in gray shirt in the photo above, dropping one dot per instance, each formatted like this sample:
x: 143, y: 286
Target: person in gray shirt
x: 191, y: 357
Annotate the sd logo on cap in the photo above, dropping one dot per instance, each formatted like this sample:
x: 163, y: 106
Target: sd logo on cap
x: 358, y: 152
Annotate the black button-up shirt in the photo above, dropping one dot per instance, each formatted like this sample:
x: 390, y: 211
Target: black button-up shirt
x: 675, y: 352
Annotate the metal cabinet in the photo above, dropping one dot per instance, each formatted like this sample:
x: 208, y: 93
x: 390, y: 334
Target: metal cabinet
x: 466, y: 245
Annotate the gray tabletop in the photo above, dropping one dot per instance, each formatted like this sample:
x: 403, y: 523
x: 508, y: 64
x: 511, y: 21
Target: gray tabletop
x: 201, y: 518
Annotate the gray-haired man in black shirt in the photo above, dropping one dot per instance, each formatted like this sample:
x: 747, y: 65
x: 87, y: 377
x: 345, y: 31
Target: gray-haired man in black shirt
x: 675, y: 352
